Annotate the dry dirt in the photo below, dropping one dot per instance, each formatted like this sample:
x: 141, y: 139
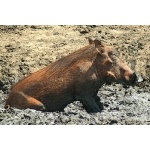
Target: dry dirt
x: 26, y: 49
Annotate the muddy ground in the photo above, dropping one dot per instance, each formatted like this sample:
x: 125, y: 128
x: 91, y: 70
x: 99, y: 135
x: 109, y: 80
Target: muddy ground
x: 26, y: 49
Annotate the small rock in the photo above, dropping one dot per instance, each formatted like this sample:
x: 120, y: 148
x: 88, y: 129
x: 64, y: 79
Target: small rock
x: 140, y: 46
x: 55, y: 33
x: 84, y: 31
x: 10, y: 48
x: 1, y: 85
x: 148, y: 65
x: 12, y: 27
x: 65, y: 119
x: 92, y: 26
x: 35, y: 27
x: 113, y: 122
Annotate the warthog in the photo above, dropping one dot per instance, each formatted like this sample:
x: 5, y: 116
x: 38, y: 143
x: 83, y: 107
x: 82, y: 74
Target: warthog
x: 76, y: 77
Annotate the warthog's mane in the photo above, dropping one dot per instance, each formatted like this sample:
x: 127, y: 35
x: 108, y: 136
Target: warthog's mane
x: 67, y: 61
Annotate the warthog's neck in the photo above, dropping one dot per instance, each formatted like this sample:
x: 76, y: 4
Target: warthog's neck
x: 99, y: 71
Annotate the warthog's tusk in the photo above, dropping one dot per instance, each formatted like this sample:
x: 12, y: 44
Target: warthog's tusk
x: 109, y: 73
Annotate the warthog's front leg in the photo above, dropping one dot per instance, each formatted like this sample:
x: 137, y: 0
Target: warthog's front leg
x: 98, y: 102
x: 90, y: 104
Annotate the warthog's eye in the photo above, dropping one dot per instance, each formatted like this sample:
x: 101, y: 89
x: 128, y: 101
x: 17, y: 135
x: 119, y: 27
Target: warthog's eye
x: 102, y: 51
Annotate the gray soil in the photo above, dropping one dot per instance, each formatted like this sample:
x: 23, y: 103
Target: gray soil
x: 26, y: 49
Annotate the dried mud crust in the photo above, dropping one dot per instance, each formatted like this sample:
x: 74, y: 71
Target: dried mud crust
x: 26, y: 49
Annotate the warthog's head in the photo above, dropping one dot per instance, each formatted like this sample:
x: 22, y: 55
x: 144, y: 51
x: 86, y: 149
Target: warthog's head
x: 112, y: 68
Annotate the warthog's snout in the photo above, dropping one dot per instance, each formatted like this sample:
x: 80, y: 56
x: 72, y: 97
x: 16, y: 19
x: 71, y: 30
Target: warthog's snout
x: 133, y: 78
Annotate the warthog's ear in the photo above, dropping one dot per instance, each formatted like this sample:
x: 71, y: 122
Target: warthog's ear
x: 98, y: 43
x: 90, y: 41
